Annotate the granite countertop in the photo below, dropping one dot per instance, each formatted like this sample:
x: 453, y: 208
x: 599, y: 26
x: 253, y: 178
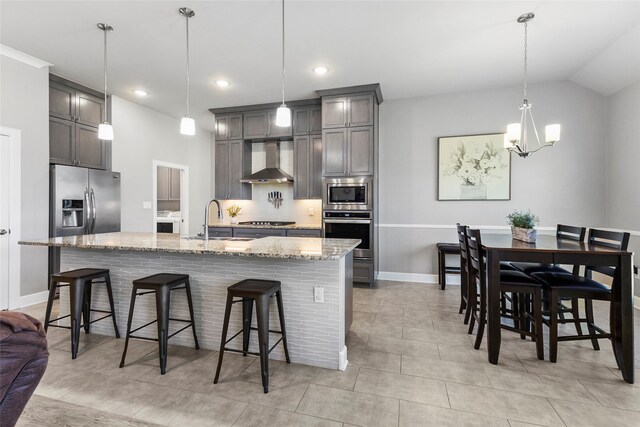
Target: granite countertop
x: 227, y: 224
x: 266, y: 247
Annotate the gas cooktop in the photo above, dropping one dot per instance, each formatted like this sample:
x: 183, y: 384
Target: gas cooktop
x: 272, y: 223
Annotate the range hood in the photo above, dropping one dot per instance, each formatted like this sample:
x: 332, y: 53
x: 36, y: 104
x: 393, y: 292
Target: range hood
x: 272, y: 174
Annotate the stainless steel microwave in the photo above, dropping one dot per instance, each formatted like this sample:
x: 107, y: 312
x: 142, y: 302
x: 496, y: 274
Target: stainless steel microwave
x: 347, y: 193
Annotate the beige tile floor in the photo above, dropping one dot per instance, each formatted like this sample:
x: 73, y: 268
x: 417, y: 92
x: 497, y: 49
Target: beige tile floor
x: 411, y: 363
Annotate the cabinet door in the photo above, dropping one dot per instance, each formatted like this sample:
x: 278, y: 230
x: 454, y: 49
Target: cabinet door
x: 360, y: 151
x: 315, y: 119
x: 174, y: 184
x: 256, y: 125
x: 89, y: 149
x: 89, y: 110
x: 303, y: 232
x: 275, y: 130
x: 234, y: 126
x: 257, y: 233
x: 315, y: 174
x: 334, y: 152
x: 301, y: 167
x: 334, y: 112
x: 222, y: 126
x: 163, y: 183
x: 237, y: 190
x: 61, y: 141
x: 360, y: 110
x: 62, y: 101
x: 301, y: 121
x: 222, y: 170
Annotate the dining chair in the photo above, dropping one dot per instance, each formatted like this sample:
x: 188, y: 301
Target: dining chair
x: 464, y: 270
x: 525, y: 301
x: 568, y: 285
x: 566, y: 232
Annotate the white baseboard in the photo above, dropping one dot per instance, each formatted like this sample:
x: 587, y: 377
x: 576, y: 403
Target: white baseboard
x: 342, y: 359
x: 37, y: 298
x: 636, y: 302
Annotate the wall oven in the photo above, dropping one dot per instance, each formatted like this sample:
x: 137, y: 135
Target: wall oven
x: 351, y: 225
x: 349, y: 194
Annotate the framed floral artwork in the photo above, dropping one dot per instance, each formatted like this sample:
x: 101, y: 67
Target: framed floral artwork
x: 474, y: 167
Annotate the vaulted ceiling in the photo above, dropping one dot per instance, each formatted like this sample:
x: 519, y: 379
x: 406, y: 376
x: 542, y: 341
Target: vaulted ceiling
x: 411, y: 48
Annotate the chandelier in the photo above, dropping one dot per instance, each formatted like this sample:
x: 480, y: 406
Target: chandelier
x: 516, y: 139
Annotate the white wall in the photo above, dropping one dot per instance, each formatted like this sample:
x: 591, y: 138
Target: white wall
x: 623, y: 165
x: 143, y: 135
x: 24, y: 105
x: 565, y: 183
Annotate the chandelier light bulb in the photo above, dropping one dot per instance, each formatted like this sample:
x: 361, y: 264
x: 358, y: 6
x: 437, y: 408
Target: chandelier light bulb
x: 552, y: 133
x: 513, y: 132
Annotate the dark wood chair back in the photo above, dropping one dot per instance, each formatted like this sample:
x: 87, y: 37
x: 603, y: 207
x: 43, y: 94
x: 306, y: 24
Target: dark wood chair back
x: 474, y: 252
x: 570, y: 232
x: 462, y: 239
x: 608, y: 239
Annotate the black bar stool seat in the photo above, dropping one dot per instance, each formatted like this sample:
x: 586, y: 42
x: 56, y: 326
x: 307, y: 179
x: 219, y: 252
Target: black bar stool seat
x: 444, y: 269
x: 161, y: 285
x: 80, y: 282
x: 260, y: 291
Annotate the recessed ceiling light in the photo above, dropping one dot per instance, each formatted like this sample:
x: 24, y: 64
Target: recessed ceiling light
x: 222, y: 83
x: 320, y: 70
x: 141, y: 92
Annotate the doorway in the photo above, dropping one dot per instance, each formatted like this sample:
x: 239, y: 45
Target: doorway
x: 170, y: 198
x: 9, y: 218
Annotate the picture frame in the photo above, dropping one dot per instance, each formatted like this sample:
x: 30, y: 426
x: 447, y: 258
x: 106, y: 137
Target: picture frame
x: 473, y: 167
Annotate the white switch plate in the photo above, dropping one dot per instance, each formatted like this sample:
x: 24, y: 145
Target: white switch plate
x: 146, y: 205
x: 311, y: 212
x: 318, y: 294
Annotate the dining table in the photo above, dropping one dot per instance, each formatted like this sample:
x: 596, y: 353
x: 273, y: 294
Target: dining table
x: 549, y: 249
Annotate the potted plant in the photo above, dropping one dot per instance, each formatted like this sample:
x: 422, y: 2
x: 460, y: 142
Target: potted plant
x: 233, y: 212
x: 522, y: 226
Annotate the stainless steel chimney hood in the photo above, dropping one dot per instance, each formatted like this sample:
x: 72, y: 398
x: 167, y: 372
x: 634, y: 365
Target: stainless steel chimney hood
x: 272, y: 174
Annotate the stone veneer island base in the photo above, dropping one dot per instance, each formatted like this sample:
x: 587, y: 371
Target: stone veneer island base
x: 315, y: 331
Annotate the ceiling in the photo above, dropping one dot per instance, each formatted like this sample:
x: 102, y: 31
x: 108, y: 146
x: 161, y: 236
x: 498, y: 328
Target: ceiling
x: 411, y: 48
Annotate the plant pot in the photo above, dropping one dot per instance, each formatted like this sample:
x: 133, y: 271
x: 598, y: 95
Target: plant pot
x: 234, y: 220
x: 524, y: 234
x: 473, y: 192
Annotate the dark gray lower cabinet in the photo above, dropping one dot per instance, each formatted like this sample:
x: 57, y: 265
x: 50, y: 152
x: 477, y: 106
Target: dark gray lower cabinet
x: 259, y: 232
x: 363, y: 271
x: 220, y: 232
x: 307, y: 167
x: 304, y: 232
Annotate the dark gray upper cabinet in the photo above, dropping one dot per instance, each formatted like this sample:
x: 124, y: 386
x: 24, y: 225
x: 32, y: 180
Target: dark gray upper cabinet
x: 74, y: 117
x: 174, y: 184
x: 315, y: 186
x: 256, y: 125
x: 348, y: 151
x: 307, y: 120
x: 228, y: 126
x: 275, y: 130
x: 168, y: 183
x: 232, y: 163
x: 307, y: 167
x: 347, y: 111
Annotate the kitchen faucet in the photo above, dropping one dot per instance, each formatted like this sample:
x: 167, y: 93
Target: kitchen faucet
x: 206, y: 217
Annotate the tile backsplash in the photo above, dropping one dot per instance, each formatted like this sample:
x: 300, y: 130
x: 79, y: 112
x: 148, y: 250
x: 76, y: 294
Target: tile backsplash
x: 259, y: 208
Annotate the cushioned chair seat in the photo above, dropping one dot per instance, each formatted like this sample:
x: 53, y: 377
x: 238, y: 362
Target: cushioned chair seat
x: 513, y: 276
x: 505, y: 265
x: 571, y: 282
x: 534, y: 267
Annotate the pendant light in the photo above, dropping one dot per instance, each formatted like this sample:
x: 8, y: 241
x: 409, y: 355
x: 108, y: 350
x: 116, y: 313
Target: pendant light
x: 187, y: 124
x: 283, y: 114
x: 515, y: 139
x: 105, y: 130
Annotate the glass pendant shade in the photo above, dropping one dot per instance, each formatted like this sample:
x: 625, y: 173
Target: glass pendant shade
x: 283, y: 116
x: 552, y: 133
x: 105, y: 131
x: 513, y: 132
x: 187, y: 126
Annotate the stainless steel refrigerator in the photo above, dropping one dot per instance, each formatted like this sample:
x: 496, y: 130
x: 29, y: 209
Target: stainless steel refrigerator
x: 81, y: 201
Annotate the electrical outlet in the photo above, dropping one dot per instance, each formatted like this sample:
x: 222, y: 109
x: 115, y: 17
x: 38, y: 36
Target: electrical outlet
x: 146, y: 205
x: 318, y: 294
x: 311, y: 212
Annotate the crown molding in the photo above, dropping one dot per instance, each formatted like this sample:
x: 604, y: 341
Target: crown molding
x: 25, y: 58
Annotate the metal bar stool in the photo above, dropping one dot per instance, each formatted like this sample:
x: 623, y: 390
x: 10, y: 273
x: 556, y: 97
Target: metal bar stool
x: 248, y: 291
x: 79, y: 282
x: 161, y: 285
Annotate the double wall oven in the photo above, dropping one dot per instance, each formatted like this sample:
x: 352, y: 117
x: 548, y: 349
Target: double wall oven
x: 348, y: 214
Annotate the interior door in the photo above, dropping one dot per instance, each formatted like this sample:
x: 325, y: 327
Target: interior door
x: 4, y: 221
x: 104, y: 193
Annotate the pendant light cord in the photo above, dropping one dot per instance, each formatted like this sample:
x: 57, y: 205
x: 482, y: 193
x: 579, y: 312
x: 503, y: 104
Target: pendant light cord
x: 104, y: 113
x: 525, y: 62
x: 188, y: 80
x: 283, y: 52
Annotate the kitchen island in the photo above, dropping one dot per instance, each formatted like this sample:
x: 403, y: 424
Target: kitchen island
x: 315, y: 330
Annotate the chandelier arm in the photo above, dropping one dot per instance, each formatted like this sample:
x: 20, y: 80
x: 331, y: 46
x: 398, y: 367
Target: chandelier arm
x: 535, y: 130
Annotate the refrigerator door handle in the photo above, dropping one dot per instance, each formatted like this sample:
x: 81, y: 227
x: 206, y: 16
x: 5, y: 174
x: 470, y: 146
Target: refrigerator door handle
x: 87, y: 208
x: 93, y: 207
